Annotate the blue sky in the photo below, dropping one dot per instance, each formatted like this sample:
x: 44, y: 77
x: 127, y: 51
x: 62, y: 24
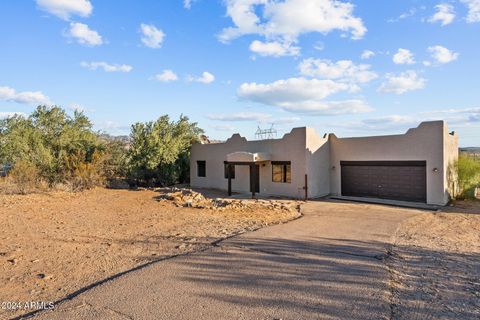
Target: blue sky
x: 352, y: 68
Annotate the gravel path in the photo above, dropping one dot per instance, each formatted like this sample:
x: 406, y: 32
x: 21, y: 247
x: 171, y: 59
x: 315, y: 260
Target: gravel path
x: 435, y: 265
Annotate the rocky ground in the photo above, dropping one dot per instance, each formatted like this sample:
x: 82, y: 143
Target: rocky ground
x: 435, y: 265
x: 53, y: 244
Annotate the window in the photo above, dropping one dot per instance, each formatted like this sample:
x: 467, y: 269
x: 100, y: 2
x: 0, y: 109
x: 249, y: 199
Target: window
x: 232, y: 171
x: 201, y: 168
x: 281, y: 171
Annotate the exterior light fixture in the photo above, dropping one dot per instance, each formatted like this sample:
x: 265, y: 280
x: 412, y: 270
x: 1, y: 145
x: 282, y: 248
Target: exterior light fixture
x: 435, y: 169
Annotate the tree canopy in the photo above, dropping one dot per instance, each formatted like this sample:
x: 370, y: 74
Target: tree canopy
x: 160, y: 150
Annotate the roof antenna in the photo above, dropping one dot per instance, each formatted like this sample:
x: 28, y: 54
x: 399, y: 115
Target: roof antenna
x: 264, y: 134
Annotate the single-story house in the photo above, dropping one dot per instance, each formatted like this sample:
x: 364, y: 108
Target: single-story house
x: 415, y: 166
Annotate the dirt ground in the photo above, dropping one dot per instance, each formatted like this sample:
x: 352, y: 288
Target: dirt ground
x: 54, y: 244
x: 435, y: 265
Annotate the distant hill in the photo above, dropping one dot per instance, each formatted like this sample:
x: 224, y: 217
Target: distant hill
x: 109, y: 138
x: 470, y: 150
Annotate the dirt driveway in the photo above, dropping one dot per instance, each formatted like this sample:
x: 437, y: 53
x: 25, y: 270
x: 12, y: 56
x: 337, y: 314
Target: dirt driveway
x: 54, y: 244
x: 330, y: 264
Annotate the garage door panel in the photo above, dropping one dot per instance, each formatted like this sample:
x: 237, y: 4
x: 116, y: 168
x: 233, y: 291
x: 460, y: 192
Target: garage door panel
x: 398, y: 180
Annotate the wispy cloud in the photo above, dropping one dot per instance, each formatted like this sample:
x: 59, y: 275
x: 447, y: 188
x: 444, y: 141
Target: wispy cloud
x: 107, y: 67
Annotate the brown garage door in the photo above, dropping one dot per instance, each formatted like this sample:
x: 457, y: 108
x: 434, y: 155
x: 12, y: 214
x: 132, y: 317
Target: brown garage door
x: 397, y: 180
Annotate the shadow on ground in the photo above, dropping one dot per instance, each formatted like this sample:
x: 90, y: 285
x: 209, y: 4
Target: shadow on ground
x: 335, y: 278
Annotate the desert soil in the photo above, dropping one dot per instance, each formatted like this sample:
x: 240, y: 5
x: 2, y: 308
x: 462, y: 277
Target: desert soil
x: 54, y: 244
x: 435, y: 265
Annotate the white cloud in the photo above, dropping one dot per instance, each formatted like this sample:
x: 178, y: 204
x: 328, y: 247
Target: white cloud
x: 187, y: 4
x: 166, y: 76
x: 253, y: 117
x: 342, y: 70
x: 454, y: 117
x: 286, y: 20
x: 84, y: 35
x: 319, y: 46
x: 64, y: 9
x: 26, y: 97
x: 285, y: 120
x: 291, y: 90
x: 404, y: 82
x: 106, y: 66
x: 223, y: 127
x: 367, y: 54
x: 390, y: 122
x: 78, y: 107
x: 442, y: 54
x: 462, y: 116
x: 302, y: 95
x: 320, y: 108
x: 274, y: 48
x: 445, y: 14
x: 205, y: 78
x: 152, y: 37
x: 241, y: 116
x: 403, y: 56
x: 405, y: 15
x: 427, y: 63
x: 473, y: 10
x: 10, y: 114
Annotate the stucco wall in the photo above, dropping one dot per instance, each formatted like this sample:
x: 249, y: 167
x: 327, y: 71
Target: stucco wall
x: 290, y: 148
x: 422, y: 143
x: 317, y: 157
x: 450, y: 156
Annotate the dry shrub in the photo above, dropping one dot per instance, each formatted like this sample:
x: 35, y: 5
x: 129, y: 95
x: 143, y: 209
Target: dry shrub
x: 7, y: 186
x: 25, y: 176
x: 86, y: 175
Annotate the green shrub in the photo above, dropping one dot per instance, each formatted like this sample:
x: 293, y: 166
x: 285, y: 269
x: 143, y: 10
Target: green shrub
x: 468, y: 171
x: 160, y: 151
x: 62, y: 149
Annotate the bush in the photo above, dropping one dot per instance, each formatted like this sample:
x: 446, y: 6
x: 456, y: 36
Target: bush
x: 60, y: 148
x: 63, y: 151
x: 25, y: 176
x: 160, y: 151
x: 85, y: 175
x: 468, y: 171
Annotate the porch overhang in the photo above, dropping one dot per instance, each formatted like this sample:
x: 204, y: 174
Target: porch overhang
x: 248, y: 157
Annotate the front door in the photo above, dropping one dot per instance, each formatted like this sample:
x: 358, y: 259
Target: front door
x: 255, y: 180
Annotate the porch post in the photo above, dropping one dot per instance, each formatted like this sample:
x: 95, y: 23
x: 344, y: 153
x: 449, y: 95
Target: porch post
x: 253, y: 179
x: 229, y: 167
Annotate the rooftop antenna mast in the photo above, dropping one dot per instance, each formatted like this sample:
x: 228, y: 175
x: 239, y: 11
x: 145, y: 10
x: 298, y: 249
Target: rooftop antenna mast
x: 263, y: 134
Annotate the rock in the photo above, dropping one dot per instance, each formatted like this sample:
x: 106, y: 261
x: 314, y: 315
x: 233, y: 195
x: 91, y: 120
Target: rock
x: 13, y: 261
x: 44, y: 276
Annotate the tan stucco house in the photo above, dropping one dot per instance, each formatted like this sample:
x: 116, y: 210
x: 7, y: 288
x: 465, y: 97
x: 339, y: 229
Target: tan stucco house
x: 414, y: 166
